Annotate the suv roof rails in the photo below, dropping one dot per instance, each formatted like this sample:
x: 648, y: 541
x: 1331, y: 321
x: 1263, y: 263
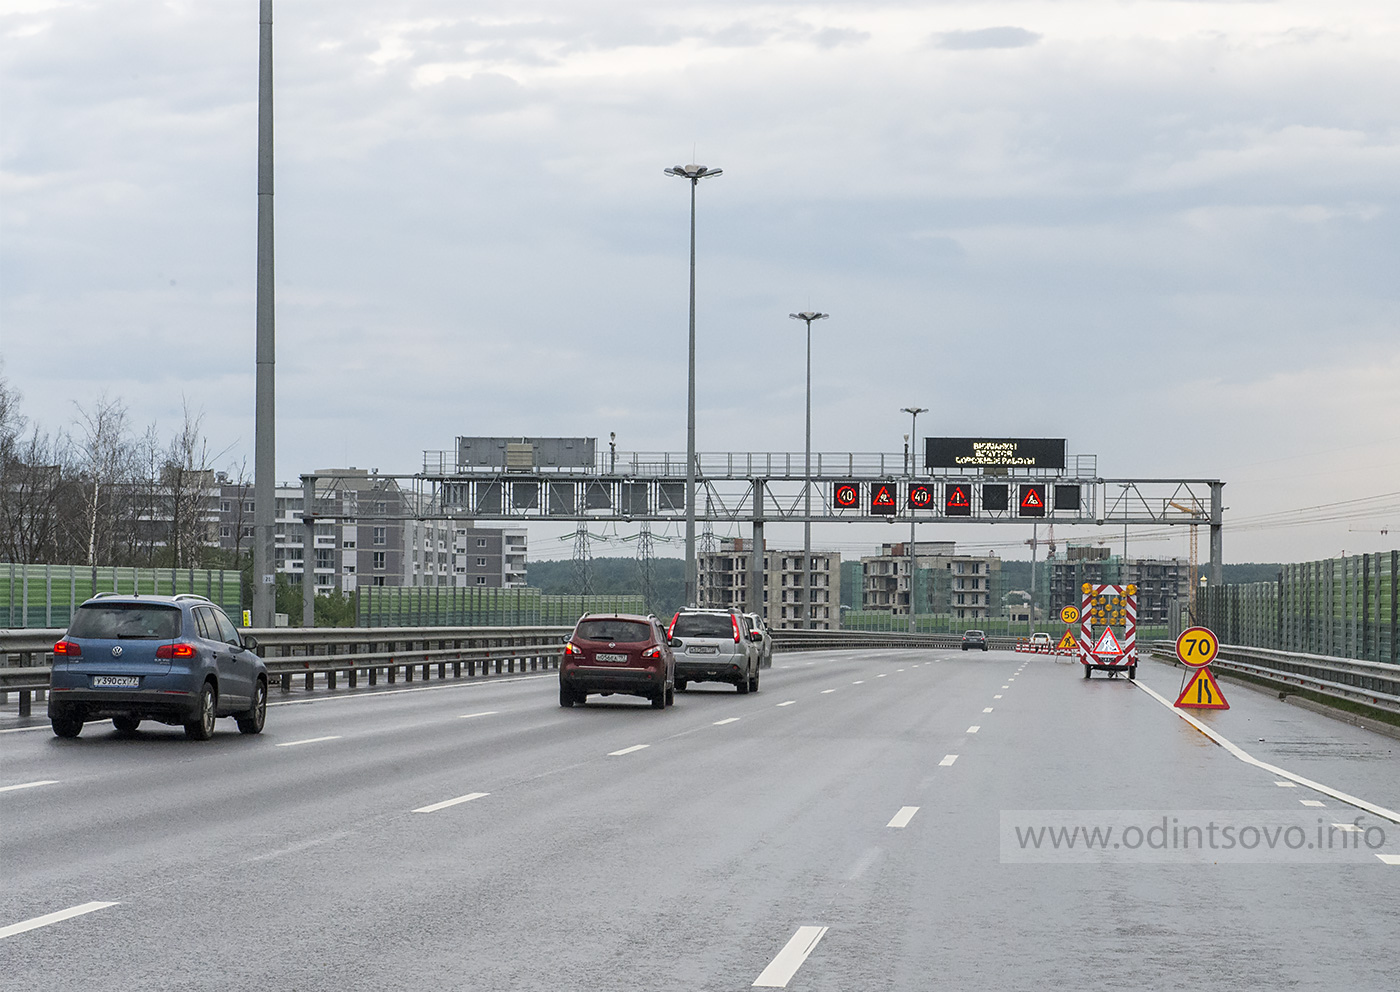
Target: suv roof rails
x: 191, y: 595
x: 109, y: 592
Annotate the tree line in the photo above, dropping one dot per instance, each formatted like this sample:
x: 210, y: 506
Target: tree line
x: 99, y: 491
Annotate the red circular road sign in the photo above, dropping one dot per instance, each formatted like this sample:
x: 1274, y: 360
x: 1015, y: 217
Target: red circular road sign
x: 1196, y: 647
x: 847, y: 495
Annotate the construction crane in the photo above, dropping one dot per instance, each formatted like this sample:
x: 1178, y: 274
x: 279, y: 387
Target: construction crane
x: 1191, y: 593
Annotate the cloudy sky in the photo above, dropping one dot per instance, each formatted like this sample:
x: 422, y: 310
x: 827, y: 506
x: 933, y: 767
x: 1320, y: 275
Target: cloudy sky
x: 1166, y: 231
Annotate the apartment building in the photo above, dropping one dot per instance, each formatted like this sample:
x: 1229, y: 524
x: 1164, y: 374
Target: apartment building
x: 364, y: 533
x: 1160, y: 581
x: 724, y: 584
x: 942, y: 581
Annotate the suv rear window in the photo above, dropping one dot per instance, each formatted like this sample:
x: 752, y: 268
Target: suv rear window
x: 620, y: 631
x: 975, y: 633
x: 125, y: 621
x: 703, y: 625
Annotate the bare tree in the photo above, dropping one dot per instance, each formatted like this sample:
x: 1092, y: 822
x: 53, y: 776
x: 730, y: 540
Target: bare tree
x: 189, y: 482
x: 107, y: 456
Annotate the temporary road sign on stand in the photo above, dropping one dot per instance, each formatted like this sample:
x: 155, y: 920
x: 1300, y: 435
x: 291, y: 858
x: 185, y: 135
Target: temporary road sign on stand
x: 1066, y: 644
x: 1070, y: 614
x: 1202, y: 692
x: 1196, y: 647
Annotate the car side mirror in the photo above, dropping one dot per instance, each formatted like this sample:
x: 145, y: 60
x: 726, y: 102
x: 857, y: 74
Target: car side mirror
x: 755, y: 635
x: 250, y: 643
x: 675, y: 642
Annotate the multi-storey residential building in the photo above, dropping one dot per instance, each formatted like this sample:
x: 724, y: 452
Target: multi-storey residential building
x: 1160, y: 582
x: 364, y: 533
x: 724, y: 583
x: 945, y: 582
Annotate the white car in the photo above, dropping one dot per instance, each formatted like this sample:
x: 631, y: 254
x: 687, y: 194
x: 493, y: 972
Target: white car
x: 765, y: 656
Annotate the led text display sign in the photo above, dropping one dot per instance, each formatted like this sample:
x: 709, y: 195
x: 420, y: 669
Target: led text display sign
x: 984, y: 452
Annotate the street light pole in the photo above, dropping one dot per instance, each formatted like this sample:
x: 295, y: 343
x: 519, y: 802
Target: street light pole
x: 913, y: 412
x: 808, y: 316
x: 264, y: 403
x: 694, y: 173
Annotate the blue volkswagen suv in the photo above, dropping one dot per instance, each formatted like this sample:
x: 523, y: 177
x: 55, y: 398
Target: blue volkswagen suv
x: 173, y: 659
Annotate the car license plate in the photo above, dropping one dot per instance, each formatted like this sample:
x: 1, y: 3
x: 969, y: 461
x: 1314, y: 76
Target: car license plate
x: 116, y: 681
x: 612, y: 657
x: 702, y: 650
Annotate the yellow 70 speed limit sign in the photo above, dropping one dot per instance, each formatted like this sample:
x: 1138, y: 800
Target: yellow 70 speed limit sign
x: 1197, y: 647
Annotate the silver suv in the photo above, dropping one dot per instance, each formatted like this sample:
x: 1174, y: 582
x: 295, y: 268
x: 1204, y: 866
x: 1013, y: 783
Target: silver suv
x: 715, y: 646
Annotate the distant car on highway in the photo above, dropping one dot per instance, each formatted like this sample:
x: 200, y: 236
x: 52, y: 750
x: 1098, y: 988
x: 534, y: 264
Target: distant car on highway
x: 765, y: 653
x: 619, y: 652
x: 1040, y: 640
x: 715, y: 646
x: 173, y: 659
x: 974, y: 639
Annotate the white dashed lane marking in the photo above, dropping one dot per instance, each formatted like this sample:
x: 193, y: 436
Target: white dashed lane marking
x: 452, y: 802
x: 28, y: 785
x: 310, y: 740
x: 1286, y: 785
x: 788, y: 703
x: 1313, y: 802
x: 902, y: 818
x: 628, y: 750
x: 468, y: 716
x: 1390, y: 859
x: 781, y: 969
x: 948, y: 759
x: 825, y: 691
x: 51, y: 918
x: 973, y: 729
x: 986, y: 709
x: 858, y: 682
x: 997, y: 696
x: 721, y: 723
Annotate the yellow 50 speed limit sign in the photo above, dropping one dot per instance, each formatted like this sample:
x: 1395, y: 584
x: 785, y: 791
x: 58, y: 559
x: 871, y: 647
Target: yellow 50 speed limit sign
x: 1197, y: 647
x: 1070, y: 614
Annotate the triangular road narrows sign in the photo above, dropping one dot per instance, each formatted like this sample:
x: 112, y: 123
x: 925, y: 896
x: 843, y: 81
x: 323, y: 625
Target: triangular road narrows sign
x: 1202, y: 692
x: 1107, y: 644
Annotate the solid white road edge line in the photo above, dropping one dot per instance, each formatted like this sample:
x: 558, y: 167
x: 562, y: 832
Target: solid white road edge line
x: 1249, y: 759
x: 28, y: 785
x: 902, y: 818
x: 24, y: 730
x: 948, y: 759
x: 311, y: 740
x: 452, y: 802
x: 59, y: 917
x: 781, y: 969
x: 628, y: 750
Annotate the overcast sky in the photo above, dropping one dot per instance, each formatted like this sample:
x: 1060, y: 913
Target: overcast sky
x: 1166, y: 231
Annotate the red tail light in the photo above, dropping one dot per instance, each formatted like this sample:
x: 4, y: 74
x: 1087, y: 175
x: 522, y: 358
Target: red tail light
x: 68, y: 648
x: 175, y: 651
x: 570, y: 648
x: 670, y: 629
x: 652, y: 652
x: 735, y: 620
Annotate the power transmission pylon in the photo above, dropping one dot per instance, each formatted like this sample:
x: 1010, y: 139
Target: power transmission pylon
x: 646, y: 562
x: 583, y: 560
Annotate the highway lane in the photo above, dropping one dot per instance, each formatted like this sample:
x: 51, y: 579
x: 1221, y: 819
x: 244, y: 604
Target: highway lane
x: 615, y: 846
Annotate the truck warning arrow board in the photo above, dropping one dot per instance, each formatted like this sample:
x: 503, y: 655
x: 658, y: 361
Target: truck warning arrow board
x: 882, y: 498
x: 847, y: 495
x: 957, y: 499
x: 1202, y: 692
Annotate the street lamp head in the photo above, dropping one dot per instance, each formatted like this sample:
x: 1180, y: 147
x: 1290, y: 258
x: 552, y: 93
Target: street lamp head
x: 809, y: 316
x: 693, y: 172
x: 915, y: 410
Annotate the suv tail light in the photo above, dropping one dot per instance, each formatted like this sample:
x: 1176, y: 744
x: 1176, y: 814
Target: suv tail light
x: 175, y: 651
x: 68, y: 648
x: 735, y: 620
x: 571, y: 648
x: 652, y: 652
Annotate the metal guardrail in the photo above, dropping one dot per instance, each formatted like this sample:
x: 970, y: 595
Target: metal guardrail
x: 826, y: 640
x: 1371, y: 683
x: 331, y: 652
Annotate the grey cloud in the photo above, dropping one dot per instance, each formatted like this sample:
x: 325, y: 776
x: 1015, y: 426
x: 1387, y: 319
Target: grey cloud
x: 836, y: 37
x: 998, y: 37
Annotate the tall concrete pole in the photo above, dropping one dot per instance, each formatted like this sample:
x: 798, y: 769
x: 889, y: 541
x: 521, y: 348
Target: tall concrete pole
x: 1217, y: 531
x: 808, y: 316
x: 694, y: 173
x: 913, y: 412
x: 264, y: 445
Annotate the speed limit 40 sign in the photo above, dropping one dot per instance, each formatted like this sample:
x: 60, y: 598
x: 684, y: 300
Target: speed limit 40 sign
x: 1197, y: 647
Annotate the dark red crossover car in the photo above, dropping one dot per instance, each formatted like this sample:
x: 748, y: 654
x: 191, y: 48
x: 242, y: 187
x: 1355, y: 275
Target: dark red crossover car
x: 622, y: 653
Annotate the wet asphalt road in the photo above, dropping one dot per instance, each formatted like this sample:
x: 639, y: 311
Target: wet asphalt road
x: 690, y: 862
